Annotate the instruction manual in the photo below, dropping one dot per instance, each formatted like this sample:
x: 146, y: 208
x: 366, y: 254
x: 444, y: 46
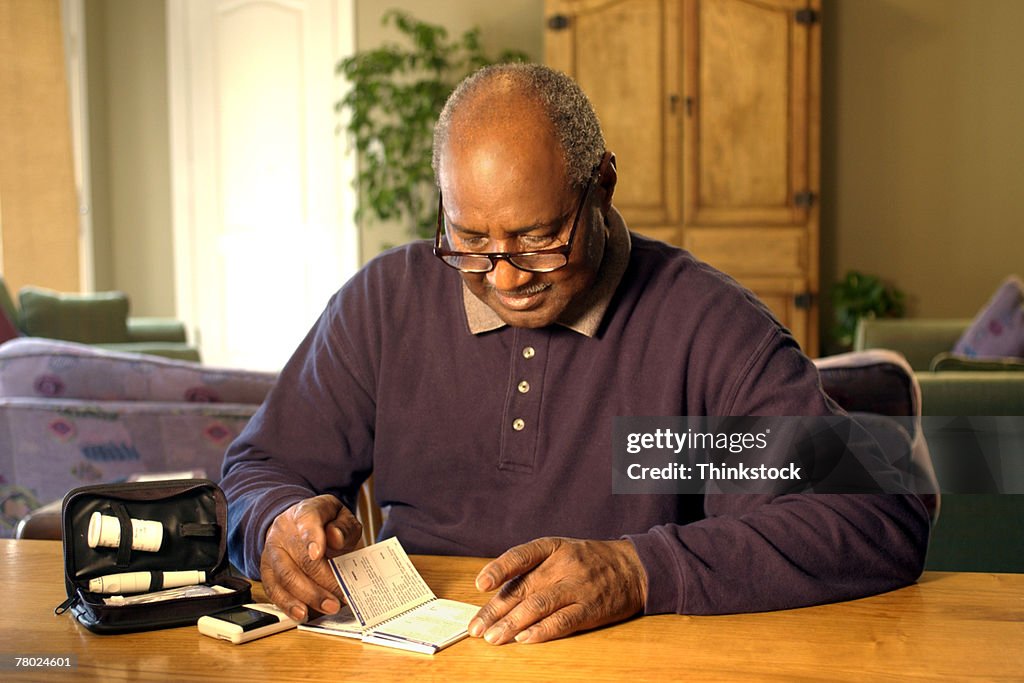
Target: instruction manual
x: 390, y: 604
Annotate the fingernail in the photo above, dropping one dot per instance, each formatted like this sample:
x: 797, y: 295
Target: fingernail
x: 330, y: 606
x: 523, y: 636
x: 493, y: 636
x: 298, y: 613
x: 314, y: 551
x: 476, y: 628
x: 484, y: 582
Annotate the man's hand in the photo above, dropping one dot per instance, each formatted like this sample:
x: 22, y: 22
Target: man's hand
x: 556, y: 586
x: 293, y: 566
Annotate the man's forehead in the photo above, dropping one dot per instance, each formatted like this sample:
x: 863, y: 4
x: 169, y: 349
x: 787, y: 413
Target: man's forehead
x: 511, y: 151
x: 493, y: 116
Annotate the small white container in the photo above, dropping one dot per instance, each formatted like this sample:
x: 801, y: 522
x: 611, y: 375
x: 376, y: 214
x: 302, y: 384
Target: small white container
x: 105, y: 532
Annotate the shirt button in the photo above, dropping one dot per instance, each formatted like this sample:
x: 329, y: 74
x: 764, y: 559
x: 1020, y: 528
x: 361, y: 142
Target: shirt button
x: 529, y: 352
x: 518, y: 424
x: 524, y: 386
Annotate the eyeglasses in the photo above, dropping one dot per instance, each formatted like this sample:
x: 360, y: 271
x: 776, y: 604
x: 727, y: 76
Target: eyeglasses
x: 539, y: 261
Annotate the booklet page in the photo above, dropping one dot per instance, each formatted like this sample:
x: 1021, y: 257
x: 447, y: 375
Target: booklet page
x: 381, y: 582
x: 436, y: 623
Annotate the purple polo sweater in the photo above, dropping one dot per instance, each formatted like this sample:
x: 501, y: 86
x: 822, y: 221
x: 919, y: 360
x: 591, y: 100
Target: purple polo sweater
x: 391, y: 381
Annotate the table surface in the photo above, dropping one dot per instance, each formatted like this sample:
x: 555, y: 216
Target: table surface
x: 949, y: 625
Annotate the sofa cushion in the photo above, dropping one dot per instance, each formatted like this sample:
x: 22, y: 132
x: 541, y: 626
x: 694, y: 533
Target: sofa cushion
x: 86, y: 318
x: 48, y: 446
x: 998, y: 330
x: 950, y: 362
x: 44, y: 368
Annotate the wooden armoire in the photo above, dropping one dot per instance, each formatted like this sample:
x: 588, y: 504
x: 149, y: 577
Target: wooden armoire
x: 712, y: 108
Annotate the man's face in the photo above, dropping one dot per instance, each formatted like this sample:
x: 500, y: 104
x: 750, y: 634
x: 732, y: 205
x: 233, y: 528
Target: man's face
x: 505, y: 189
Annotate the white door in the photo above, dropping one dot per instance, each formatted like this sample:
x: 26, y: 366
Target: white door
x: 262, y: 194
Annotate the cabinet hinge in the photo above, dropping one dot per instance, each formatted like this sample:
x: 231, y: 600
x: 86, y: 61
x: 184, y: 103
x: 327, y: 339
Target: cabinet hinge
x: 807, y: 16
x: 805, y: 199
x: 558, y: 22
x: 803, y: 301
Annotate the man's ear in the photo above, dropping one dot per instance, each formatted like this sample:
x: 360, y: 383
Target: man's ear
x: 606, y: 181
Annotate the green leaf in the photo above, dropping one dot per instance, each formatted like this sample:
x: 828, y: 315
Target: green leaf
x: 859, y: 296
x: 397, y: 92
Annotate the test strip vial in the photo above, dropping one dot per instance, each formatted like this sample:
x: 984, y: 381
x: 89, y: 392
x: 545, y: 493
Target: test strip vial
x: 105, y: 532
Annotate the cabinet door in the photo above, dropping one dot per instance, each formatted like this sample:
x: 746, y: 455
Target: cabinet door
x: 715, y: 103
x: 751, y: 149
x: 746, y: 92
x: 626, y: 55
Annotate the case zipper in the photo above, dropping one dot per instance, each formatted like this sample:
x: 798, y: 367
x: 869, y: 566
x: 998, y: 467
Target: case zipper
x: 66, y: 605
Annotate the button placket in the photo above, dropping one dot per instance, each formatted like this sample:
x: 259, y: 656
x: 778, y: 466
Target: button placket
x: 522, y: 405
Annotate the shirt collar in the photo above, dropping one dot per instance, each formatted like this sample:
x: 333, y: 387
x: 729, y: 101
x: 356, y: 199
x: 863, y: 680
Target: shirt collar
x: 585, y: 315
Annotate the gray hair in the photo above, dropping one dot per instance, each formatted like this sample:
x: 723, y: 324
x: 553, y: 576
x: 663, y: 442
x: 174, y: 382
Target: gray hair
x: 571, y: 114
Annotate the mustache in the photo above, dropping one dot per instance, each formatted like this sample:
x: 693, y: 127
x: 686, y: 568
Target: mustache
x: 522, y: 291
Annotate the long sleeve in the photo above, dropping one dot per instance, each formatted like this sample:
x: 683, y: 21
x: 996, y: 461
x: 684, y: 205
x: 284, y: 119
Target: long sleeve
x: 758, y: 552
x: 313, y: 434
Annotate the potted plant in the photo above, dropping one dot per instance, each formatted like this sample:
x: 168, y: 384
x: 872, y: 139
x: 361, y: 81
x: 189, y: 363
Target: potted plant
x: 397, y: 92
x: 859, y: 296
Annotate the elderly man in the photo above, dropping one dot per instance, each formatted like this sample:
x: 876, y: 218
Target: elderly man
x: 478, y: 382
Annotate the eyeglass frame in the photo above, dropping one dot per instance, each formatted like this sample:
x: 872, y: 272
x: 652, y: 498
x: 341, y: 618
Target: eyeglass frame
x: 494, y: 256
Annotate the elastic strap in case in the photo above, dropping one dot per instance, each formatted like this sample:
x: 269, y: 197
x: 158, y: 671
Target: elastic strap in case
x: 124, y: 548
x: 196, y: 530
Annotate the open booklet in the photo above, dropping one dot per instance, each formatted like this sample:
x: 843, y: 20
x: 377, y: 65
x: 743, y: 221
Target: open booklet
x: 390, y: 604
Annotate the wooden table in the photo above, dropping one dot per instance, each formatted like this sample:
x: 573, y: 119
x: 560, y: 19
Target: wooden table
x: 950, y: 626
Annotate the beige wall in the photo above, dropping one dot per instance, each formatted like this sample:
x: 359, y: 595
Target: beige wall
x: 923, y: 147
x: 514, y: 24
x: 130, y: 143
x: 38, y: 198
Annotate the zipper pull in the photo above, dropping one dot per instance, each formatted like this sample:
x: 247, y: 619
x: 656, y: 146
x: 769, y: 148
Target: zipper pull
x: 66, y: 605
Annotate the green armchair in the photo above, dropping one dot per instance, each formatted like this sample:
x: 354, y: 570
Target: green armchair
x: 99, y: 319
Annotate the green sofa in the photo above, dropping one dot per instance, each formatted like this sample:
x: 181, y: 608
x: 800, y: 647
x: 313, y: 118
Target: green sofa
x: 975, y: 532
x: 973, y: 388
x: 99, y: 319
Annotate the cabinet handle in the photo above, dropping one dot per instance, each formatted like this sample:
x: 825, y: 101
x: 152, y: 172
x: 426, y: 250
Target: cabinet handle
x: 673, y: 102
x: 688, y: 104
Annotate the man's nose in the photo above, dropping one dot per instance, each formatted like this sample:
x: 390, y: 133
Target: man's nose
x: 507, y: 278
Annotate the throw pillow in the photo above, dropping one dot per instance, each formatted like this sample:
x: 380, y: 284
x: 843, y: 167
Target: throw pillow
x: 948, y: 362
x: 873, y: 381
x: 998, y: 331
x: 100, y: 318
x: 8, y: 330
x: 6, y: 304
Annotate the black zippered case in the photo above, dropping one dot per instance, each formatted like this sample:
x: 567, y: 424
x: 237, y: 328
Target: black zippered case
x: 193, y: 514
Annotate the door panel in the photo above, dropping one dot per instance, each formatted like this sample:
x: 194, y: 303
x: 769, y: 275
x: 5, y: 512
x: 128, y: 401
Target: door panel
x: 625, y: 56
x: 746, y: 151
x: 262, y: 206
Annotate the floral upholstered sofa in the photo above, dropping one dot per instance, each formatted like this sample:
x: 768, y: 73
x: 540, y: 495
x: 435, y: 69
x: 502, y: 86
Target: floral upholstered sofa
x: 73, y: 414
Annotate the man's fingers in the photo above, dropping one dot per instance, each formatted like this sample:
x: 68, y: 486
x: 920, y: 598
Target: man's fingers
x: 343, y: 533
x: 515, y: 562
x: 531, y: 608
x: 290, y: 587
x: 294, y: 566
x: 567, y: 620
x: 558, y: 586
x: 310, y: 517
x: 498, y: 606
